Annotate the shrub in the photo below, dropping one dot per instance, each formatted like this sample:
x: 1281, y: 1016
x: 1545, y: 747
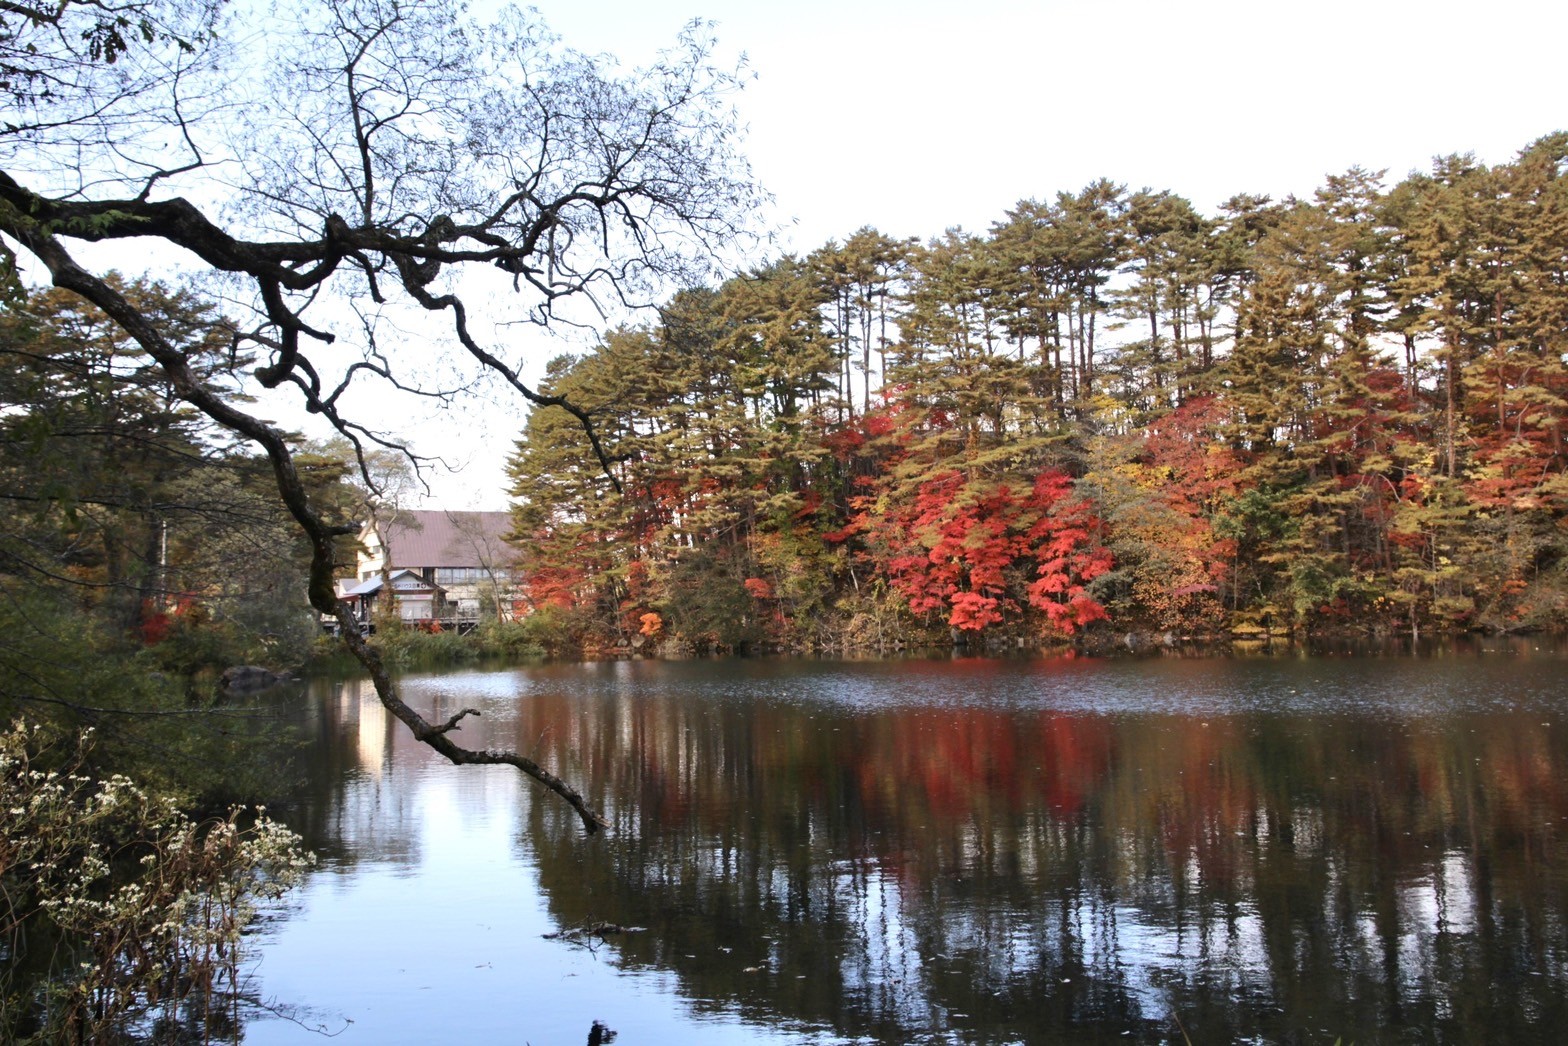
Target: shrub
x: 557, y: 631
x: 404, y: 648
x: 513, y: 640
x: 118, y: 911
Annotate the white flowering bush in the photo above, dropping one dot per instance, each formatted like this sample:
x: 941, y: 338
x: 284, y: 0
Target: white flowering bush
x: 120, y: 916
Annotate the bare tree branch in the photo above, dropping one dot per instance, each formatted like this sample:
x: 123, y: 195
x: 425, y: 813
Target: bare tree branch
x: 395, y: 153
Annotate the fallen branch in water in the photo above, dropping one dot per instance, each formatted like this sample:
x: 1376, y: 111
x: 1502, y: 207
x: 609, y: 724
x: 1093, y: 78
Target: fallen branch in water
x: 601, y: 930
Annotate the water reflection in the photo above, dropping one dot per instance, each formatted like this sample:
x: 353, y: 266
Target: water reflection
x: 1290, y: 849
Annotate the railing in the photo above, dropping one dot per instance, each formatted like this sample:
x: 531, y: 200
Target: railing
x: 462, y: 622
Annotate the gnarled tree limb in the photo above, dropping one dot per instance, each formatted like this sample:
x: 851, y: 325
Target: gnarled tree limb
x: 71, y: 276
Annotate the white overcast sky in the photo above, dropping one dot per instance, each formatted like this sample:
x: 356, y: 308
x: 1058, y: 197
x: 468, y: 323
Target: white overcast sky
x: 915, y: 116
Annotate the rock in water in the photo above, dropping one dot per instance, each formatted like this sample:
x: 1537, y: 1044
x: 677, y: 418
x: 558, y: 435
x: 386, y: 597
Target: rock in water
x: 247, y: 679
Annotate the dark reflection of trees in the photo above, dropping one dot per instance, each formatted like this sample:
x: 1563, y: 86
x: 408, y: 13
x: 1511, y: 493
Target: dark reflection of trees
x: 353, y: 807
x: 1006, y: 875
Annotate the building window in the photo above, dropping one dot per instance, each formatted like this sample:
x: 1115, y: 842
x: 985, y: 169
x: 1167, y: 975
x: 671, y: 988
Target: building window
x: 459, y: 575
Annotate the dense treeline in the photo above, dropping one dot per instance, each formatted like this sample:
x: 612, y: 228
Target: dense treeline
x: 142, y: 549
x: 1343, y: 411
x: 120, y: 496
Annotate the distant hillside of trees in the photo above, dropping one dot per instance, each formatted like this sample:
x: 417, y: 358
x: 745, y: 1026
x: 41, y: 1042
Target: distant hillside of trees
x: 1342, y: 412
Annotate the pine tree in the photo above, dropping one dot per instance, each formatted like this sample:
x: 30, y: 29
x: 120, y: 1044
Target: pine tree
x: 1170, y: 259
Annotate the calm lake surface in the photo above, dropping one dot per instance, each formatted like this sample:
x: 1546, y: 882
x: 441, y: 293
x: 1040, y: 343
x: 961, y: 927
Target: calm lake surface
x: 1269, y: 849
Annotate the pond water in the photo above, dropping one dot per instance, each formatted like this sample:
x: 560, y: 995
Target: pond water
x: 1272, y: 849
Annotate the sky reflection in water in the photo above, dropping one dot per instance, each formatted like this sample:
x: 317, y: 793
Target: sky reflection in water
x: 947, y: 850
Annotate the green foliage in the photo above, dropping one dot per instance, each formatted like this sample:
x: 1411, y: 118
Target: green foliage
x: 121, y: 495
x: 708, y: 604
x: 559, y: 631
x: 120, y: 913
x: 405, y: 648
x: 70, y: 671
x: 549, y: 633
x: 139, y: 552
x: 512, y: 640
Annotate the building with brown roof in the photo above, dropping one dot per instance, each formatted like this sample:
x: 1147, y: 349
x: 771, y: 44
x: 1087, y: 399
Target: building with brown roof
x: 462, y: 558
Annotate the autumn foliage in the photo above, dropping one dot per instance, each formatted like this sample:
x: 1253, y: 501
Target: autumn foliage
x: 970, y: 555
x: 1343, y: 412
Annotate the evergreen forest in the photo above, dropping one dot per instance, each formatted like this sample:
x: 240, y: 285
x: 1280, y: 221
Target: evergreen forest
x: 1108, y: 413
